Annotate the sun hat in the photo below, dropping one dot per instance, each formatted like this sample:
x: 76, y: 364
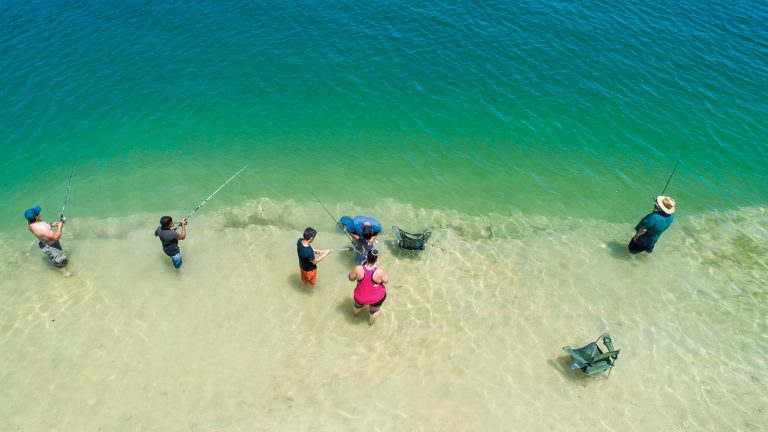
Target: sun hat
x: 31, y: 214
x: 666, y: 204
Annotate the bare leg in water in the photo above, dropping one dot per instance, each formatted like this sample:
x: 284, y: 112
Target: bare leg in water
x: 374, y: 311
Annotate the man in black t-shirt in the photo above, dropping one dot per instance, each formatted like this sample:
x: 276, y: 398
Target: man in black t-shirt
x: 307, y: 260
x: 170, y: 238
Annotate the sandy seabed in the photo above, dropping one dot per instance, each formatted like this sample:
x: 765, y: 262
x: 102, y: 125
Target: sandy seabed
x: 469, y: 338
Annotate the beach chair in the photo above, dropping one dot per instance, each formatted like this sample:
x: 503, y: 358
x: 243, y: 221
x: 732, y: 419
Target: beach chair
x: 591, y: 359
x: 410, y: 241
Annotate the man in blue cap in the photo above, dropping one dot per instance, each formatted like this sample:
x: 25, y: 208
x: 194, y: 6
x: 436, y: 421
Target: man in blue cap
x: 49, y: 239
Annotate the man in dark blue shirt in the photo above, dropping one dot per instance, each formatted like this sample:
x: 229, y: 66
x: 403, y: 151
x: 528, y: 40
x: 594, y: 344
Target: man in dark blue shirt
x: 170, y: 239
x: 648, y: 231
x: 307, y: 260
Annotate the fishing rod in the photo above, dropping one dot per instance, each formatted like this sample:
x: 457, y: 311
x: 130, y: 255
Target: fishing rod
x: 66, y: 197
x: 340, y: 249
x: 338, y: 223
x: 211, y: 196
x: 674, y: 169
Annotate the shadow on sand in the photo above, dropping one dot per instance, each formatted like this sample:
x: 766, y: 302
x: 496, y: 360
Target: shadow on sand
x: 294, y: 280
x: 562, y: 365
x: 619, y: 250
x: 402, y: 254
x: 345, y: 309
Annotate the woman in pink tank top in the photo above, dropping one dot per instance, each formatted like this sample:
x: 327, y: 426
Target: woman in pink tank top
x: 370, y: 290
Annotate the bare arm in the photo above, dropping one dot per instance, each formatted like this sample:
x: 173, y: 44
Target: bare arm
x: 57, y: 234
x: 322, y: 255
x: 183, y: 234
x: 353, y: 275
x: 640, y: 232
x: 380, y: 276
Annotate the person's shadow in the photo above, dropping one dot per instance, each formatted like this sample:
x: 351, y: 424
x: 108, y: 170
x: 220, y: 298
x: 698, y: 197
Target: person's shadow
x: 345, y: 309
x: 619, y: 250
x: 294, y: 280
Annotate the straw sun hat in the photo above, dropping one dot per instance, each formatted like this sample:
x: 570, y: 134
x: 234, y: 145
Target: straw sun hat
x: 666, y: 204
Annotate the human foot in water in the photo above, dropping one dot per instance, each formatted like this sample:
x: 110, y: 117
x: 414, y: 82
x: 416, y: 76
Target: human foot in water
x: 372, y: 318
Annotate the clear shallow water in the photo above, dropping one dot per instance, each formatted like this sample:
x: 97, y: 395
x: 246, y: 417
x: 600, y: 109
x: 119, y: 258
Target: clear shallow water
x: 470, y: 336
x: 532, y: 136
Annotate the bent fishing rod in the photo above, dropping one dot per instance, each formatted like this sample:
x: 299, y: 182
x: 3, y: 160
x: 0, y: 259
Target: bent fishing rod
x: 66, y: 197
x: 211, y: 196
x: 675, y: 168
x: 338, y: 224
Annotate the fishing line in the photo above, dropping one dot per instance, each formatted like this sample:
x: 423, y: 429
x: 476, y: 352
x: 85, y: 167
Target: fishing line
x: 66, y: 197
x: 675, y: 168
x: 211, y: 196
x: 43, y: 199
x: 337, y: 223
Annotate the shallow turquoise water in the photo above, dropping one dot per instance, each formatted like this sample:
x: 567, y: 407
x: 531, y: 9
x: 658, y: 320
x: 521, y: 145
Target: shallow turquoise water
x: 547, y: 108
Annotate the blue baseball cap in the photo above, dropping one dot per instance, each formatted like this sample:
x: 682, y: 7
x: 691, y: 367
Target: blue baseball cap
x: 32, y: 213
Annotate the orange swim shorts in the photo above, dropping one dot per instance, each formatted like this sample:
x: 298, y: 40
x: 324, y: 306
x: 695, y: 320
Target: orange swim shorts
x: 309, y: 277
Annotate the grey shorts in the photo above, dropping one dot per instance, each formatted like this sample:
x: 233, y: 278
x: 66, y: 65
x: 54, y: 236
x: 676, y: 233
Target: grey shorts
x: 54, y: 253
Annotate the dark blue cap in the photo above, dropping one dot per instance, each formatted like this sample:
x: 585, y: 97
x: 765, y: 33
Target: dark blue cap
x: 32, y: 213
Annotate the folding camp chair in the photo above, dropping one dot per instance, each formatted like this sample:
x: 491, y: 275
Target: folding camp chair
x: 591, y: 359
x: 410, y: 241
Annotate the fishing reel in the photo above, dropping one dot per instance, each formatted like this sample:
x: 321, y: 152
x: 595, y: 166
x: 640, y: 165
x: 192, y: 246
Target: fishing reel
x: 63, y: 219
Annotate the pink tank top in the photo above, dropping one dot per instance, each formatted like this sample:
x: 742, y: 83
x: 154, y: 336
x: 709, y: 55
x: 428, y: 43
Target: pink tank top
x: 367, y: 291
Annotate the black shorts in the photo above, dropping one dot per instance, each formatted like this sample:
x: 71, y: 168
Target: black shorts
x: 636, y: 247
x: 375, y: 305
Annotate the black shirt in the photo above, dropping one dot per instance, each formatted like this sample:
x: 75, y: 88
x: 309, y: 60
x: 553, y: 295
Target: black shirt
x: 170, y: 240
x: 306, y: 256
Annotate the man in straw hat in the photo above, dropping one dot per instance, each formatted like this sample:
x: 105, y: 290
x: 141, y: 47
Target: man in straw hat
x: 648, y: 231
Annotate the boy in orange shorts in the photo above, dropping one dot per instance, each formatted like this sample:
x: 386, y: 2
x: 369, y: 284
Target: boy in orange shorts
x: 307, y: 259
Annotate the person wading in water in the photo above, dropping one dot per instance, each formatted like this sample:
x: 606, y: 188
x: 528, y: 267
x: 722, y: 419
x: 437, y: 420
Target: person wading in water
x: 370, y: 290
x: 49, y: 239
x: 650, y: 228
